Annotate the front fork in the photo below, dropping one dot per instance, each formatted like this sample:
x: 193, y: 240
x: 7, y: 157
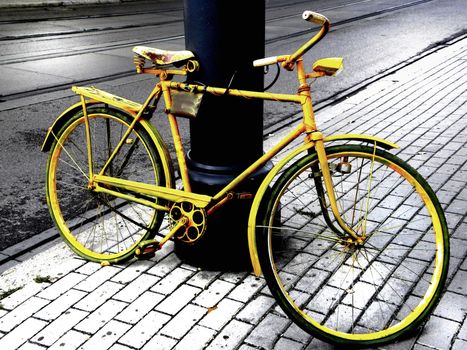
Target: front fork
x: 324, y: 171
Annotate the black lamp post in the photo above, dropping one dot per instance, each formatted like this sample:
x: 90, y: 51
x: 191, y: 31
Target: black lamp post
x: 227, y: 134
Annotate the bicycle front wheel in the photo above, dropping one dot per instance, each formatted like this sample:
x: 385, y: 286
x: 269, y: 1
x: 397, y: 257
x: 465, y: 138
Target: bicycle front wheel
x: 98, y: 226
x: 362, y: 294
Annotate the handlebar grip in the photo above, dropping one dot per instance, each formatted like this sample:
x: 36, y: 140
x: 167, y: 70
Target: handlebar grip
x: 265, y: 61
x: 314, y: 17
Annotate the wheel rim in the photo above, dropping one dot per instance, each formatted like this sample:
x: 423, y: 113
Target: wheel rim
x: 97, y: 226
x: 364, y: 284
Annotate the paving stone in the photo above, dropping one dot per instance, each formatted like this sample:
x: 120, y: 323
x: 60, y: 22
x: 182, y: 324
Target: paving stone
x: 89, y: 268
x: 317, y: 344
x: 433, y: 338
x: 98, y: 278
x: 160, y: 342
x: 59, y: 327
x: 99, y: 296
x: 203, y: 278
x: 458, y: 284
x: 256, y: 309
x: 184, y: 321
x: 296, y: 333
x: 459, y: 344
x: 70, y: 341
x: 60, y: 305
x: 172, y: 281
x: 247, y: 289
x: 131, y: 272
x: 214, y: 293
x: 21, y: 313
x: 62, y: 286
x: 165, y: 266
x: 92, y: 323
x: 287, y: 344
x: 150, y: 324
x: 220, y: 315
x: 106, y: 336
x: 463, y: 332
x: 19, y: 335
x: 120, y: 347
x: 268, y: 331
x: 178, y: 299
x: 140, y: 307
x: 196, y: 339
x: 136, y: 288
x: 452, y: 306
x: 21, y: 295
x: 458, y: 247
x: 31, y: 346
x: 247, y: 347
x: 231, y: 336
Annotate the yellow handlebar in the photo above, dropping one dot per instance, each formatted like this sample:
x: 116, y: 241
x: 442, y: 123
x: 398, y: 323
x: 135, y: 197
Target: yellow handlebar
x: 314, y: 17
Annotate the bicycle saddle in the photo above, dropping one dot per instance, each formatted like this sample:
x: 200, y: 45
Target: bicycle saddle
x: 162, y: 57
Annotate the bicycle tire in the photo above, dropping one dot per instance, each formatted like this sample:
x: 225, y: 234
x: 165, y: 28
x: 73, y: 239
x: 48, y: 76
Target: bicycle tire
x: 343, y: 293
x: 98, y: 226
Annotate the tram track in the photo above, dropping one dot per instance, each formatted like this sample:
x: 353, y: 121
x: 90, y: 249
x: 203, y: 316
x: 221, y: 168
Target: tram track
x: 12, y: 59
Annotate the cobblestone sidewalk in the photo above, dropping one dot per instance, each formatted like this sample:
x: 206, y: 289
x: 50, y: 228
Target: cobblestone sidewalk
x: 62, y: 302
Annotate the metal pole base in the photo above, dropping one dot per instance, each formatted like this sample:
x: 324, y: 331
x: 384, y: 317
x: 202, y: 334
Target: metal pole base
x: 224, y: 245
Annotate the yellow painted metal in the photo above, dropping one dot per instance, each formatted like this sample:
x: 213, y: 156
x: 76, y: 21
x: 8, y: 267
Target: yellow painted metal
x: 176, y: 138
x: 274, y: 171
x: 170, y: 194
x: 88, y: 139
x: 58, y: 123
x: 329, y: 66
x: 364, y: 138
x: 323, y: 163
x: 269, y: 96
x: 427, y: 298
x: 304, y: 92
x: 259, y: 196
x: 163, y: 72
x: 180, y: 223
x: 261, y: 161
x: 108, y: 98
x: 98, y: 188
x: 289, y: 64
x: 155, y: 92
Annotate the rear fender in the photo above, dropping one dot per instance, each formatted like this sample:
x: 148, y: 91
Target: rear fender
x: 68, y: 114
x: 61, y: 121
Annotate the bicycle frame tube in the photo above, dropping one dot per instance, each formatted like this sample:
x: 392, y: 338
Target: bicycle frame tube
x: 154, y: 94
x: 176, y: 138
x: 88, y: 137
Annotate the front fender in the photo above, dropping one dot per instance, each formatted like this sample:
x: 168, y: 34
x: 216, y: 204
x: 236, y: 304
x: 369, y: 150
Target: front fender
x: 279, y: 166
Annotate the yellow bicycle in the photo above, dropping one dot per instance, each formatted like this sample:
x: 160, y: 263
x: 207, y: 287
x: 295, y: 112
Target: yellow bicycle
x: 352, y: 241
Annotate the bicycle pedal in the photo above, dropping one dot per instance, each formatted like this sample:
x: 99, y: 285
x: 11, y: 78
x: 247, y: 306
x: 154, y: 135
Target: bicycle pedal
x: 147, y: 249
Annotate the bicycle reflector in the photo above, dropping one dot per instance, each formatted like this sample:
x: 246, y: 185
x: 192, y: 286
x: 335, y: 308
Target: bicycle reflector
x: 330, y: 66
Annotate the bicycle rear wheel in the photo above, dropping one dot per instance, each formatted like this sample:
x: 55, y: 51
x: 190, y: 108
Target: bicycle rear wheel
x: 346, y: 293
x: 98, y: 226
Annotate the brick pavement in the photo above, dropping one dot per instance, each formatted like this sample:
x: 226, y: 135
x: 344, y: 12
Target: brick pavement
x: 165, y: 303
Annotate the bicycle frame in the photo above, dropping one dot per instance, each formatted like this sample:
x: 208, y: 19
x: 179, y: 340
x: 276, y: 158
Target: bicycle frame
x: 313, y: 138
